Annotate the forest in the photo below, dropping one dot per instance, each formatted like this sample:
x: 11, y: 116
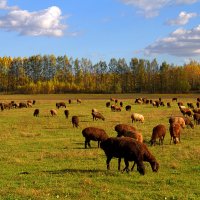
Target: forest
x: 49, y: 74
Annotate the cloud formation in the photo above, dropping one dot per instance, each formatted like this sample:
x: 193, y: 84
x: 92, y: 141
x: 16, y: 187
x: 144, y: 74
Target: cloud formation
x: 46, y: 22
x: 152, y: 8
x: 182, y: 19
x: 181, y: 43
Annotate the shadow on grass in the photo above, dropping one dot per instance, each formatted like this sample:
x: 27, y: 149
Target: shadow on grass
x: 82, y: 171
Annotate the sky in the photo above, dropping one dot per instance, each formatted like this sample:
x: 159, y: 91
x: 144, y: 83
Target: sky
x: 168, y: 30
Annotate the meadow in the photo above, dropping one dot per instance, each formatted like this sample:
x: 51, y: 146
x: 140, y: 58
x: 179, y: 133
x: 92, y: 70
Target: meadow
x: 44, y: 157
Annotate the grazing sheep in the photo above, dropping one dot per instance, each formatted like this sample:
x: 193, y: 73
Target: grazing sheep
x: 122, y: 128
x: 60, y: 104
x: 180, y: 104
x: 168, y: 104
x: 95, y: 134
x: 113, y: 107
x: 196, y: 117
x: 175, y: 132
x: 97, y: 115
x: 128, y: 108
x: 107, y: 104
x: 128, y: 131
x: 137, y: 117
x: 36, y: 113
x: 29, y: 104
x: 75, y: 121
x: 121, y: 103
x: 22, y: 105
x: 53, y: 112
x: 179, y: 120
x: 174, y: 99
x: 130, y: 150
x: 159, y: 131
x: 66, y: 112
x: 34, y: 102
x: 188, y: 122
x: 186, y: 111
x: 69, y: 101
x: 78, y: 100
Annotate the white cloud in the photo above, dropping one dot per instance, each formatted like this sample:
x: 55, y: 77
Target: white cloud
x: 4, y: 6
x: 182, y: 43
x: 46, y: 22
x: 182, y: 19
x: 151, y: 8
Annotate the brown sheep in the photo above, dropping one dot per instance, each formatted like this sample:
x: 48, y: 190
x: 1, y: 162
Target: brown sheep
x: 60, y: 104
x: 75, y: 121
x: 128, y: 108
x: 186, y: 111
x: 69, y: 101
x: 196, y: 117
x: 78, y: 100
x: 107, y: 104
x: 188, y: 122
x: 53, y: 112
x: 97, y: 115
x: 174, y: 99
x: 36, y: 113
x: 66, y: 112
x: 179, y: 120
x: 95, y: 134
x: 168, y: 104
x: 122, y: 128
x: 130, y: 150
x: 159, y: 131
x: 175, y: 132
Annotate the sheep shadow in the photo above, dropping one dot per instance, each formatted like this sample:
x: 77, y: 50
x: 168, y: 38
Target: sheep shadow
x: 82, y: 171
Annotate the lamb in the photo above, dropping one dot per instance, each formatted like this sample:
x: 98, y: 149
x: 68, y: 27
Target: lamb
x: 95, y: 134
x: 66, y: 112
x: 36, y: 113
x: 137, y: 117
x: 175, y: 131
x: 159, y: 131
x: 196, y: 117
x: 75, y: 121
x: 97, y: 115
x: 130, y: 150
x: 53, y: 112
x: 179, y: 120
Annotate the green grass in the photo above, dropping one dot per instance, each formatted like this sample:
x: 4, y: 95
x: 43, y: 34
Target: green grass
x: 44, y: 157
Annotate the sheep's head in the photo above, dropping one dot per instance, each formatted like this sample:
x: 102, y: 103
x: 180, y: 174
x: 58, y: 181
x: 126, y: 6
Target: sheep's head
x: 154, y: 166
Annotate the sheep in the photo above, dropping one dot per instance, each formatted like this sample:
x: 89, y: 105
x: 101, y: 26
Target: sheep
x: 53, y: 112
x: 174, y: 99
x: 128, y: 131
x: 137, y: 117
x: 78, y: 100
x: 60, y: 104
x: 75, y: 121
x: 130, y: 150
x: 107, y: 104
x: 121, y: 103
x: 36, y: 113
x: 196, y: 110
x: 22, y: 105
x: 29, y: 104
x: 196, y: 117
x: 69, y: 101
x: 34, y: 102
x: 94, y: 110
x: 198, y: 104
x: 175, y: 131
x: 179, y: 120
x: 95, y: 134
x: 159, y: 131
x: 128, y: 108
x: 188, y: 122
x: 66, y: 112
x: 97, y: 115
x: 113, y: 107
x: 168, y: 104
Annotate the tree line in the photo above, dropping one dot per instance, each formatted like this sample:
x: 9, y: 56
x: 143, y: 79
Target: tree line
x: 50, y: 74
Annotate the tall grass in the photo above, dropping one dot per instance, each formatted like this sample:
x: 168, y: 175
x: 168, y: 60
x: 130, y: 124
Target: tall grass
x: 44, y: 157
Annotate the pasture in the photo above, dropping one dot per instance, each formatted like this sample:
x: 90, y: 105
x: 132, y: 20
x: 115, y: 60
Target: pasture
x: 44, y: 157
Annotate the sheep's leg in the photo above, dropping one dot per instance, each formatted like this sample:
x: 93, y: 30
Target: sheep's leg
x: 98, y: 144
x: 108, y: 162
x: 140, y: 167
x: 133, y: 166
x: 119, y: 162
x: 85, y: 144
x: 126, y: 165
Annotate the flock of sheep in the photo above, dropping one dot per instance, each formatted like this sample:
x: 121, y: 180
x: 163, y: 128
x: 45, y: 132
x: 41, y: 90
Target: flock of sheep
x: 129, y: 143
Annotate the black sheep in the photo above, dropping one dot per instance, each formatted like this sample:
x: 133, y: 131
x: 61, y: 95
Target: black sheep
x: 36, y: 112
x: 75, y: 121
x: 66, y: 112
x: 130, y: 150
x: 95, y: 134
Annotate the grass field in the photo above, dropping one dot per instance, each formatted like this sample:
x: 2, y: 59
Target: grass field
x: 44, y: 157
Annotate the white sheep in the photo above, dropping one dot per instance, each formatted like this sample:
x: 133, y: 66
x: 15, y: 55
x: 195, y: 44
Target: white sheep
x: 137, y: 117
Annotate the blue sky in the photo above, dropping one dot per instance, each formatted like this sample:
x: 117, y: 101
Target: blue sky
x: 168, y: 30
